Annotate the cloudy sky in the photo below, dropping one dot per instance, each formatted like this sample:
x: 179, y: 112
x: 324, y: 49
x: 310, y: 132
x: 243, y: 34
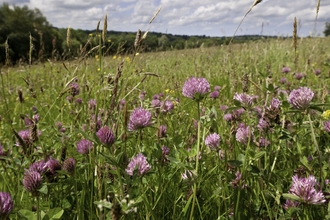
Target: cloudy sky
x: 190, y: 17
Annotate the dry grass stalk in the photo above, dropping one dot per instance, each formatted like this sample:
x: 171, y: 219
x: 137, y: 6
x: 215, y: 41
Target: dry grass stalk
x: 254, y: 4
x: 7, y: 62
x: 155, y: 15
x: 20, y: 95
x: 31, y: 49
x: 68, y: 38
x: 105, y: 26
x: 115, y: 87
x: 137, y: 39
x: 295, y: 42
x: 98, y: 27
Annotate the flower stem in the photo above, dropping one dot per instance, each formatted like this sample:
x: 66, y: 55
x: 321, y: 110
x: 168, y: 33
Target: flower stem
x: 197, y: 160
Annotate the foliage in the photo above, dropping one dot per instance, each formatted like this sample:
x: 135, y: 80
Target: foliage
x: 327, y: 29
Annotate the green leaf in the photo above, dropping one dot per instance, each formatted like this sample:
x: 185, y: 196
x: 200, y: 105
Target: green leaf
x: 235, y: 163
x: 44, y: 189
x: 27, y: 214
x: 259, y: 154
x: 291, y: 196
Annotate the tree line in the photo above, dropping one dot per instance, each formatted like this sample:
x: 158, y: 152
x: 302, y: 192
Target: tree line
x: 26, y: 36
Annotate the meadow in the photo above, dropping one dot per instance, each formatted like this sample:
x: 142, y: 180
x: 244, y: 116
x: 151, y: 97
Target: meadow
x: 239, y: 131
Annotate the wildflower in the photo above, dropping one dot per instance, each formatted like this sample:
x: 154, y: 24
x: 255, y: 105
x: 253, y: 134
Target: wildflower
x: 243, y: 134
x: 96, y: 123
x: 238, y: 182
x: 140, y: 162
x: 162, y: 131
x: 38, y: 166
x: 245, y: 99
x: 263, y: 142
x: 91, y: 104
x: 290, y: 204
x: 52, y: 166
x: 304, y: 188
x: 195, y: 88
x: 155, y: 103
x: 167, y: 106
x: 69, y: 165
x: 165, y: 150
x: 106, y: 136
x: 214, y: 94
x: 122, y: 104
x: 78, y: 101
x: 212, y: 141
x: 142, y: 95
x: 32, y: 182
x: 186, y: 175
x: 26, y: 137
x: 228, y: 117
x: 326, y: 126
x: 262, y: 125
x: 300, y: 98
x: 2, y: 152
x: 223, y: 107
x: 326, y: 114
x: 6, y: 204
x: 217, y: 88
x: 74, y: 89
x: 84, y: 146
x: 283, y: 80
x: 139, y: 118
x: 317, y: 72
x: 286, y: 69
x: 299, y: 76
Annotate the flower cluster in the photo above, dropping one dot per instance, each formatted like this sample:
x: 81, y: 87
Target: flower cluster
x: 305, y: 189
x: 195, y: 88
x: 6, y: 204
x: 84, y: 146
x: 32, y: 182
x: 243, y: 134
x: 301, y: 98
x: 140, y: 162
x: 246, y: 100
x: 106, y: 136
x: 139, y: 118
x: 212, y: 141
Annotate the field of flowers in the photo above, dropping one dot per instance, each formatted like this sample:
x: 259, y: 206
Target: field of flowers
x: 233, y: 132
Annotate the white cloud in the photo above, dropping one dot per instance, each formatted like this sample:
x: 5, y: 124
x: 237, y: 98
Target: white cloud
x: 207, y: 17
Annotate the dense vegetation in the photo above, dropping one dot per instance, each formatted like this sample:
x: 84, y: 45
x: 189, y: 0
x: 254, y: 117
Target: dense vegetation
x: 18, y: 24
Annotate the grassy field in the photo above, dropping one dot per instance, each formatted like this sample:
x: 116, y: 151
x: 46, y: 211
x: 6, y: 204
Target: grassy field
x: 71, y: 135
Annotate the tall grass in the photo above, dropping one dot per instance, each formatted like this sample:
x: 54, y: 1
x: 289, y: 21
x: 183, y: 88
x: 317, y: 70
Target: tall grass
x: 239, y: 180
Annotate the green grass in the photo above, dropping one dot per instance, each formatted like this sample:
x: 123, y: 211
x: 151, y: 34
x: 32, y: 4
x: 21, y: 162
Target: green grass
x: 100, y: 177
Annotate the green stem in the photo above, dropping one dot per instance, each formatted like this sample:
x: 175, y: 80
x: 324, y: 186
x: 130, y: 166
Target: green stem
x: 197, y: 160
x: 38, y: 209
x: 316, y: 147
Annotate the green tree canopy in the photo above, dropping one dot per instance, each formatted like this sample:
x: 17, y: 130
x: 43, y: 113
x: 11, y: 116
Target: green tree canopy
x: 327, y: 29
x: 17, y: 24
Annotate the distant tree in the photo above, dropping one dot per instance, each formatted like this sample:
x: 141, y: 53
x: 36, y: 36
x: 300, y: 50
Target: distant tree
x: 16, y: 25
x: 327, y: 29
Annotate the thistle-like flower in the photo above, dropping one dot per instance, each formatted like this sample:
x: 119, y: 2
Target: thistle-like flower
x: 304, y: 188
x: 32, y: 182
x: 286, y: 69
x: 212, y: 141
x: 246, y: 100
x: 139, y: 118
x: 140, y: 163
x: 195, y: 88
x: 74, y: 89
x: 301, y: 98
x: 69, y: 165
x: 6, y: 204
x: 84, y: 146
x: 106, y: 136
x: 243, y: 134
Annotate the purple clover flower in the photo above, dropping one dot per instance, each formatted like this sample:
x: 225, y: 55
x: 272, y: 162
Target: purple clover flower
x: 286, y: 69
x: 162, y: 131
x: 217, y: 88
x: 69, y: 165
x: 299, y: 76
x: 140, y: 162
x: 6, y: 204
x: 317, y: 72
x: 238, y: 182
x: 243, y: 134
x: 106, y: 136
x: 290, y: 204
x: 301, y: 98
x: 84, y: 146
x: 326, y: 126
x: 214, y: 94
x: 74, y: 89
x: 155, y: 103
x: 212, y: 141
x: 91, y: 104
x: 195, y: 88
x: 32, y: 182
x: 283, y: 80
x: 165, y: 150
x: 304, y: 188
x: 263, y: 142
x: 262, y: 125
x: 167, y: 106
x: 245, y: 99
x: 139, y: 118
